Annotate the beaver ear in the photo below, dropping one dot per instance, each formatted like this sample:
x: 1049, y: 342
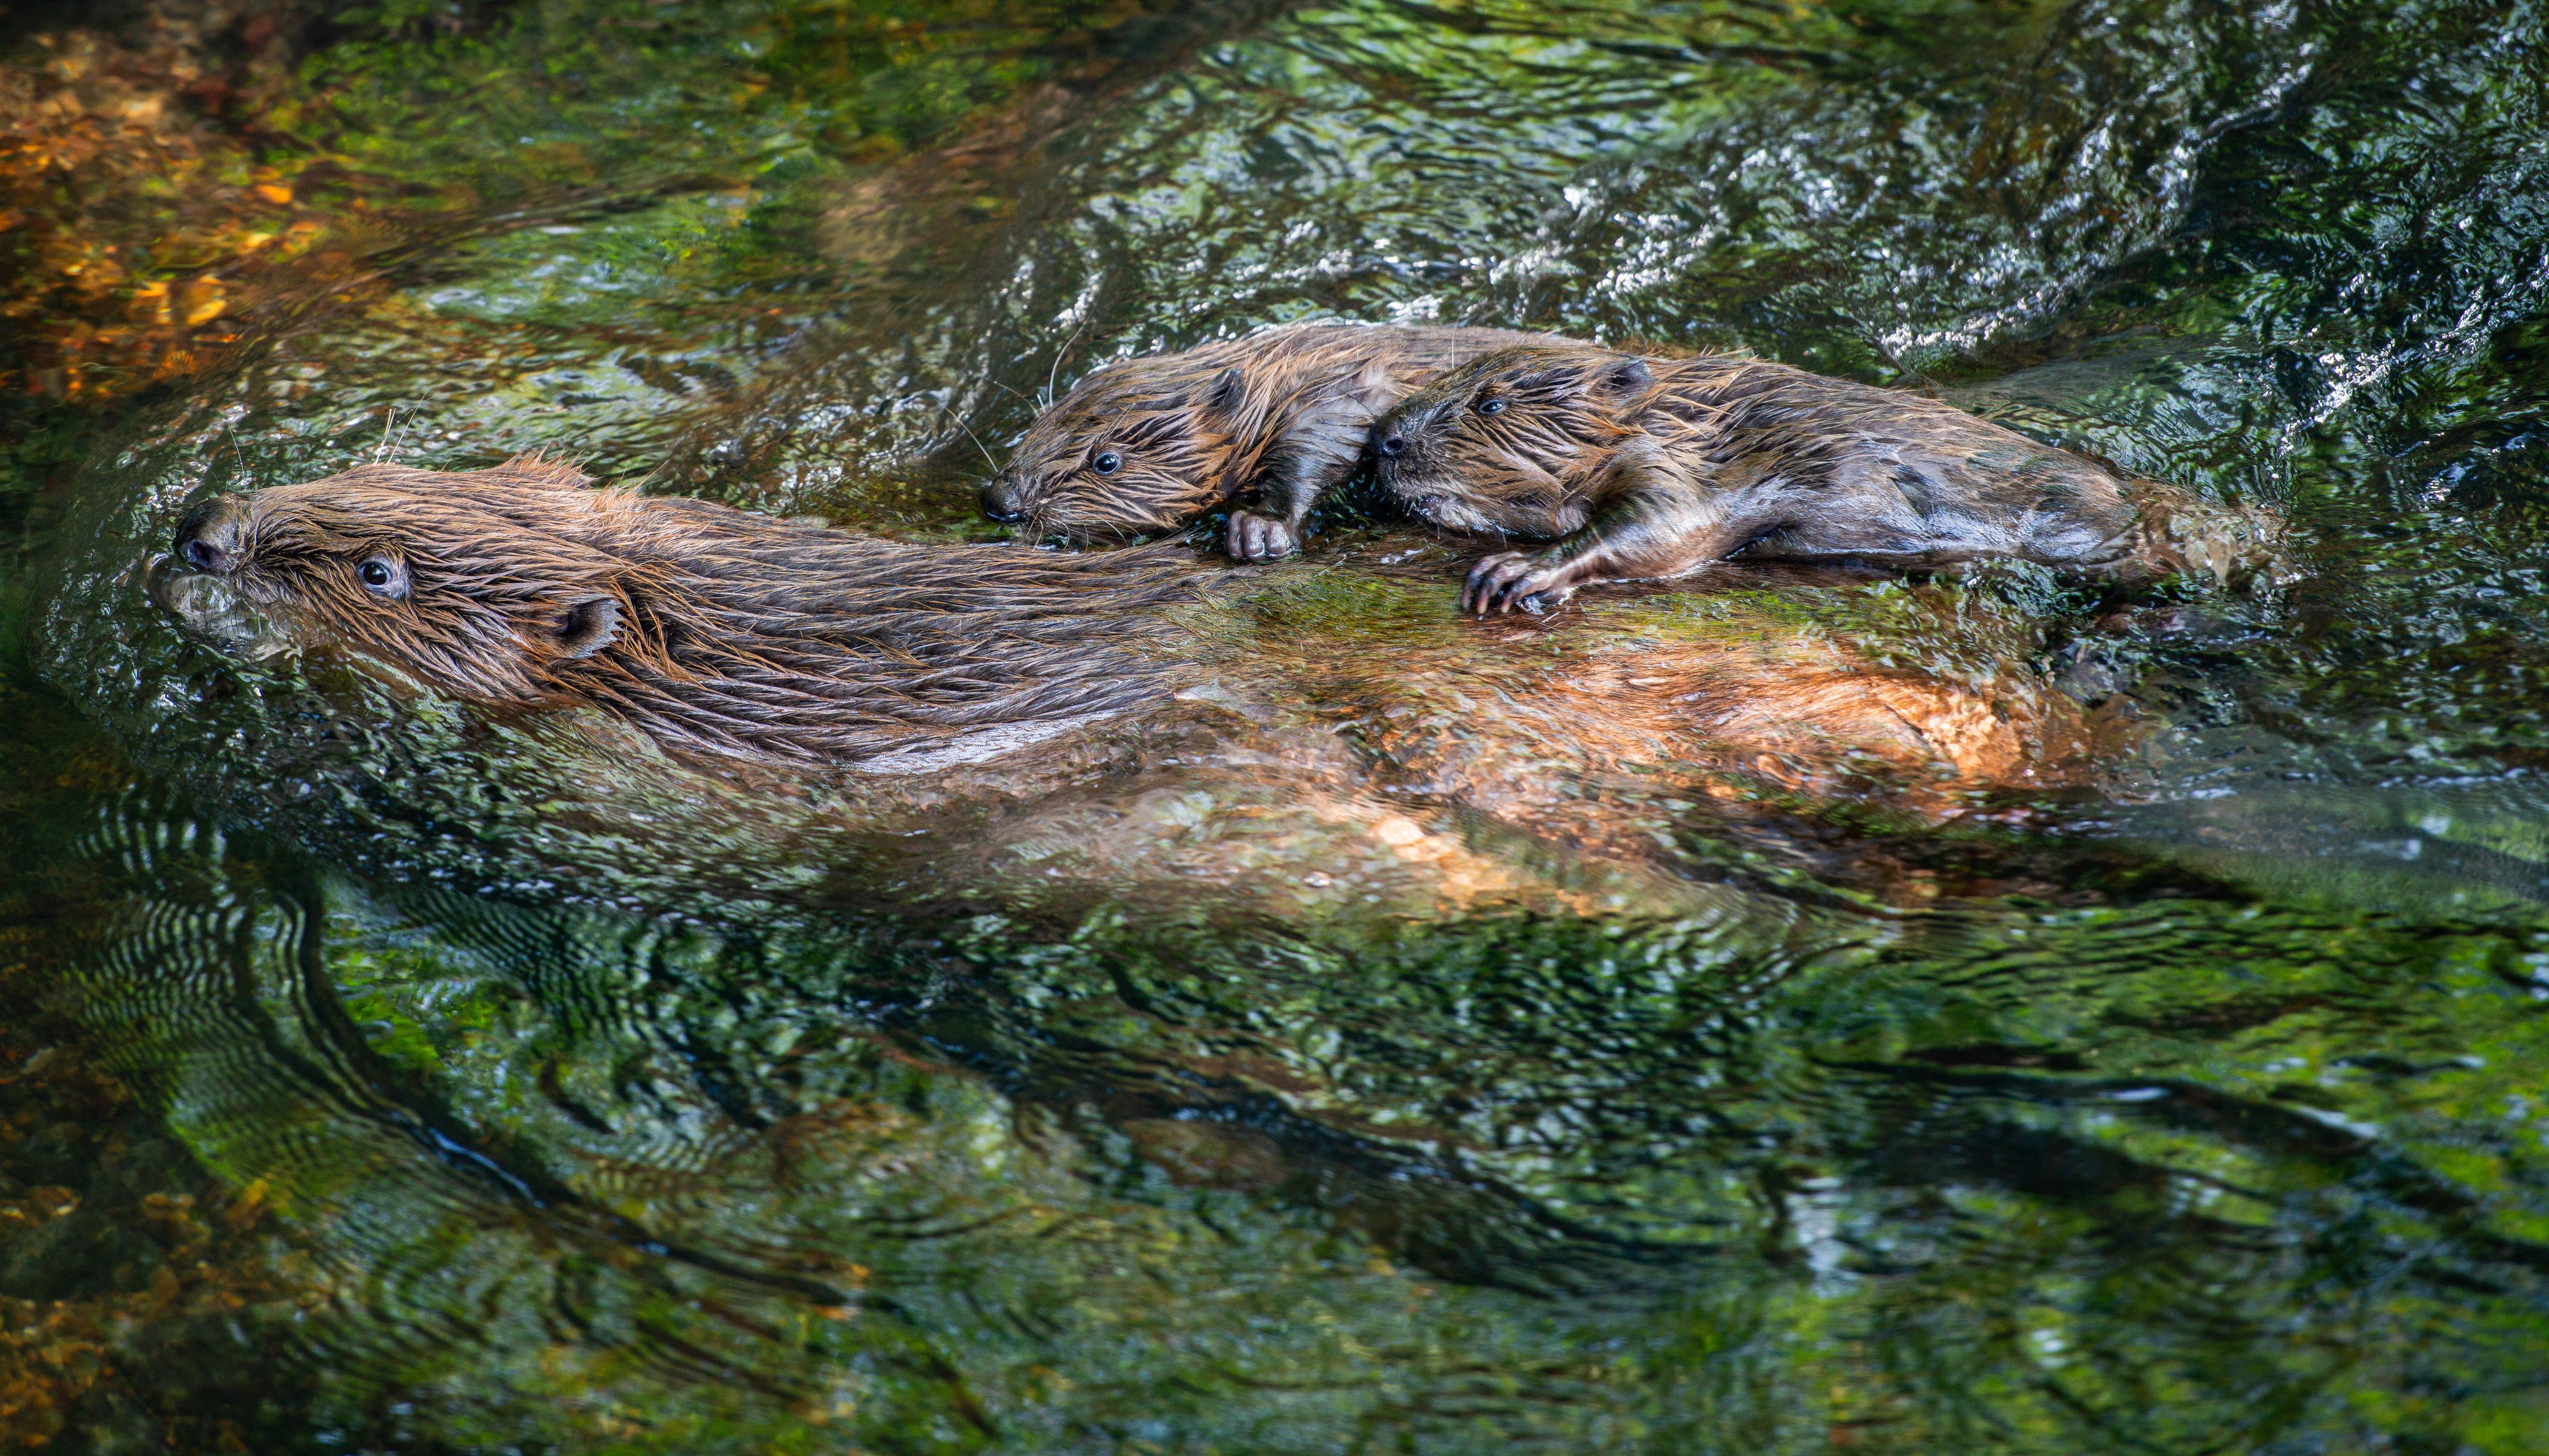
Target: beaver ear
x: 1623, y: 379
x: 1227, y: 393
x: 589, y: 624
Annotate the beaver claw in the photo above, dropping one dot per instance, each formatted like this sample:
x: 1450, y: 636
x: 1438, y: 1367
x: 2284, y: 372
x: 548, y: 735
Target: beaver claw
x: 1508, y: 580
x: 1260, y: 537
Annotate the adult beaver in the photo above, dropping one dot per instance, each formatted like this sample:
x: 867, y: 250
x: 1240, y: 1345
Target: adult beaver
x: 1271, y: 421
x: 712, y: 630
x: 1638, y: 467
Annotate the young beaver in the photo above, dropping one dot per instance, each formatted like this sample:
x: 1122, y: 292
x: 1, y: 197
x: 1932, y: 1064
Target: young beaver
x: 712, y: 629
x: 1273, y: 419
x: 1652, y: 468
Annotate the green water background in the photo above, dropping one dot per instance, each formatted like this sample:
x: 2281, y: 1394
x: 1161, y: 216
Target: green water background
x: 2198, y: 1113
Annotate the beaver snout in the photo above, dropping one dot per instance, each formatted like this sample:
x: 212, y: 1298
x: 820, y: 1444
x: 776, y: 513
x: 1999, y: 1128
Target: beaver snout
x: 1400, y: 435
x: 1391, y: 443
x: 214, y: 535
x: 1000, y: 502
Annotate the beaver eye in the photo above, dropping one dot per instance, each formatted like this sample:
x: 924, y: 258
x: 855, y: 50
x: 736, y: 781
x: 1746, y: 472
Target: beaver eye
x: 381, y: 574
x: 1491, y: 406
x: 1107, y: 462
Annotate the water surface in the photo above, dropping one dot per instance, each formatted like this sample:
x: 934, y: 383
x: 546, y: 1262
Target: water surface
x: 371, y: 1090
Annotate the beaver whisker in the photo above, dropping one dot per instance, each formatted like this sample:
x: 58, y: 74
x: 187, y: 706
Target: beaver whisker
x: 1055, y: 371
x: 969, y: 434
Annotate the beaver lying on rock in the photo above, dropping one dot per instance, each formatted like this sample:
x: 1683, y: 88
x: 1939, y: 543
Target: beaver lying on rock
x: 1639, y: 467
x: 1271, y: 421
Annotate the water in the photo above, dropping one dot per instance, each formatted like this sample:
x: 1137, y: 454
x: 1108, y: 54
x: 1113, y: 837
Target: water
x: 2156, y: 1072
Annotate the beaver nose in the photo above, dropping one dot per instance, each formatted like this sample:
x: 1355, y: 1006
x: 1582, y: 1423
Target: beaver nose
x: 214, y: 535
x: 1000, y: 504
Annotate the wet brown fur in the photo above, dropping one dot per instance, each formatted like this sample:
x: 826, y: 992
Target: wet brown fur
x: 713, y: 629
x: 722, y: 634
x: 1268, y: 422
x: 1642, y: 467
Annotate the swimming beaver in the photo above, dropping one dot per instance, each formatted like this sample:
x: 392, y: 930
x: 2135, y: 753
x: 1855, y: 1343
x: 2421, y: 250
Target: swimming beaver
x: 713, y: 630
x: 1652, y: 468
x: 1272, y: 420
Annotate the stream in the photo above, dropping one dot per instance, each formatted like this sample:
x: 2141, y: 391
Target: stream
x: 382, y: 1079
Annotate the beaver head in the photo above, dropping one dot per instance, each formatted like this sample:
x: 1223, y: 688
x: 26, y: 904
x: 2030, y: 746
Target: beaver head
x: 1140, y: 445
x: 483, y: 586
x: 713, y: 629
x: 1505, y: 443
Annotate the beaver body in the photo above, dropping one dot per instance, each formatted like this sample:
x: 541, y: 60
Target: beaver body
x: 1269, y: 423
x: 1653, y: 468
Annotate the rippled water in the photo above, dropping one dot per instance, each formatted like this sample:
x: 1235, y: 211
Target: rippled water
x: 2158, y: 1065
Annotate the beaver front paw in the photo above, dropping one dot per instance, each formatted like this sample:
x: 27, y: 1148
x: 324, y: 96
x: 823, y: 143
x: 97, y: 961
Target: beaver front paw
x: 1256, y: 537
x: 1508, y: 580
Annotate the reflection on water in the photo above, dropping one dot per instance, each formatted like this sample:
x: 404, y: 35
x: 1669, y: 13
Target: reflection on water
x: 1968, y: 1014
